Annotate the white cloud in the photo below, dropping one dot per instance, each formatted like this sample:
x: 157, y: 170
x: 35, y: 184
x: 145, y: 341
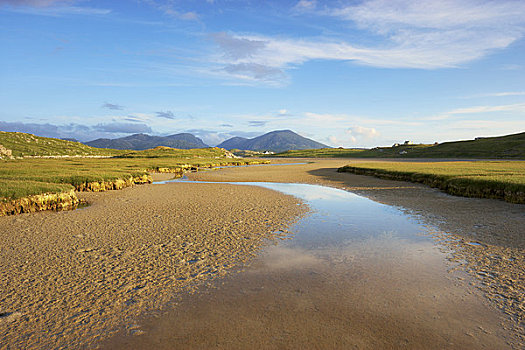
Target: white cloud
x: 423, y: 34
x: 325, y: 118
x: 122, y: 128
x: 166, y: 114
x: 273, y: 56
x: 236, y: 48
x: 509, y: 93
x: 143, y: 116
x: 355, y: 135
x: 511, y: 67
x: 112, y: 106
x: 190, y: 16
x: 499, y: 94
x: 214, y: 138
x: 518, y: 107
x: 35, y: 3
x: 342, y: 141
x: 78, y: 131
x: 255, y: 71
x: 391, y: 15
x: 50, y: 8
x: 368, y: 133
x: 333, y: 140
x: 169, y: 9
x: 487, y: 127
x: 305, y: 5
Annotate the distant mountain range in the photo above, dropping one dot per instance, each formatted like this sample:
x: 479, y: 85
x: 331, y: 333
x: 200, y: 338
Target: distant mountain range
x: 275, y: 141
x: 143, y: 141
x: 18, y: 144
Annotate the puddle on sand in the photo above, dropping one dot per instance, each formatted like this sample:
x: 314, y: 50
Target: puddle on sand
x: 356, y: 274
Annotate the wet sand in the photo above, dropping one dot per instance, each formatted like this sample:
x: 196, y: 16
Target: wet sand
x: 496, y: 229
x: 488, y: 221
x: 129, y: 262
x: 70, y: 279
x: 471, y: 300
x: 315, y: 305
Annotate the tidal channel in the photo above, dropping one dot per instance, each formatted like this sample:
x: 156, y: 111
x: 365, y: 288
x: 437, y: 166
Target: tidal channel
x: 351, y: 274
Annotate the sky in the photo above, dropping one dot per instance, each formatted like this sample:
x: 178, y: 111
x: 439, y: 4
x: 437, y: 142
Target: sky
x: 356, y: 73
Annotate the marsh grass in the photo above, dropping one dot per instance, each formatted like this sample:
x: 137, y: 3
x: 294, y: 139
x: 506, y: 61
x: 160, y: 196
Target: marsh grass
x: 322, y: 153
x: 486, y: 179
x: 24, y: 177
x: 167, y: 152
x: 34, y: 165
x: 14, y: 189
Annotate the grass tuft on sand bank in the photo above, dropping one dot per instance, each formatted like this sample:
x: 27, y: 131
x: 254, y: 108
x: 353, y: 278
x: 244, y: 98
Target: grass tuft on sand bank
x: 483, y: 179
x: 22, y: 178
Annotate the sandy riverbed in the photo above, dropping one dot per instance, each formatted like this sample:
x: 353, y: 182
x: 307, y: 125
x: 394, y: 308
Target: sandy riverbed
x: 68, y: 279
x: 489, y: 221
x: 482, y: 236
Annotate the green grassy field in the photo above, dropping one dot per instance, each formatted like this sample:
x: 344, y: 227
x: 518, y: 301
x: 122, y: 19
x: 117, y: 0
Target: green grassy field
x: 503, y: 147
x: 23, y: 177
x: 167, y: 152
x: 32, y: 165
x: 485, y: 179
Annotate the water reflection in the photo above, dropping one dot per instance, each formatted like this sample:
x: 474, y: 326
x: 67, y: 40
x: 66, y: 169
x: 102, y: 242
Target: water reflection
x: 355, y: 274
x: 340, y: 218
x: 344, y: 227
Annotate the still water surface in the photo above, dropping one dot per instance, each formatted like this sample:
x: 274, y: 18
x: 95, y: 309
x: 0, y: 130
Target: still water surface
x: 355, y: 274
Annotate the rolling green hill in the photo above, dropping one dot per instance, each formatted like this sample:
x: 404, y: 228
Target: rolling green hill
x: 509, y: 146
x: 502, y: 147
x: 18, y: 144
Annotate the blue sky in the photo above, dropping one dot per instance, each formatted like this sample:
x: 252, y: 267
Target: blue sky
x: 345, y: 73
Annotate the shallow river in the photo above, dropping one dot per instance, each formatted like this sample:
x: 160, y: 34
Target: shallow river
x: 354, y: 274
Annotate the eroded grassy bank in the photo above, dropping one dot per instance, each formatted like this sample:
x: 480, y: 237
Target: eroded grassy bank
x: 484, y: 179
x: 51, y: 201
x: 29, y: 185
